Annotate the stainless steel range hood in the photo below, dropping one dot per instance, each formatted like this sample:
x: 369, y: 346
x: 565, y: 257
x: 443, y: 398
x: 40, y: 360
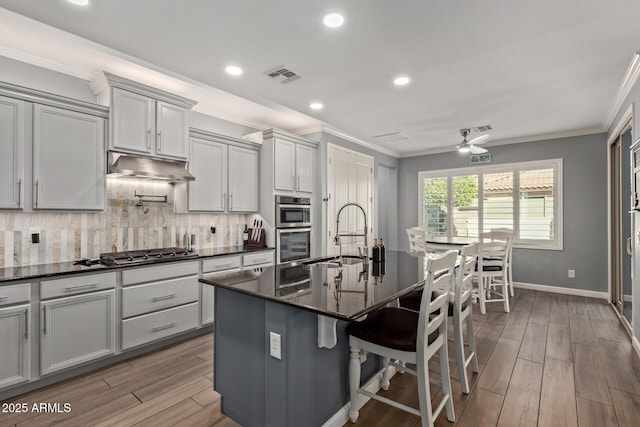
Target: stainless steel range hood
x: 131, y: 166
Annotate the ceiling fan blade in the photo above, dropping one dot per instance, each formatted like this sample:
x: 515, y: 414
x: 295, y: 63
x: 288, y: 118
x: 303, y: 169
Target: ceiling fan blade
x: 480, y: 139
x: 477, y: 150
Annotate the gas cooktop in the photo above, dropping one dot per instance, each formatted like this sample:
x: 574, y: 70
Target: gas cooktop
x: 146, y: 255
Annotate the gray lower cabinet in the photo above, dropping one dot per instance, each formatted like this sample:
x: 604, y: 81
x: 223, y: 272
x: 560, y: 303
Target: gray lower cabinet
x: 158, y: 302
x: 76, y: 329
x: 15, y: 345
x: 68, y: 159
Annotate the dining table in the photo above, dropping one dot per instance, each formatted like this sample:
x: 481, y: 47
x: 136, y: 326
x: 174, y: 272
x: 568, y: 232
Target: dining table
x: 445, y: 243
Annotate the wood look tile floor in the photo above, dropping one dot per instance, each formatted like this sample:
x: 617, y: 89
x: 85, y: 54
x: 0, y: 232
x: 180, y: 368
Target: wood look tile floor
x: 555, y: 360
x: 169, y: 387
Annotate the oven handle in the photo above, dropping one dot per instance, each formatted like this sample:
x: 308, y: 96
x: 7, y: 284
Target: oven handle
x: 293, y: 230
x: 293, y: 206
x: 288, y: 285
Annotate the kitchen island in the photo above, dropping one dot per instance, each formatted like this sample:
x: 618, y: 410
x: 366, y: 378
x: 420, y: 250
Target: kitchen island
x: 308, y: 384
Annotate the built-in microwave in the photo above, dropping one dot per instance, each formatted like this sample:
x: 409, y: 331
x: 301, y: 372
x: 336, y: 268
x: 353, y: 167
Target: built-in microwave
x: 293, y: 212
x: 293, y: 244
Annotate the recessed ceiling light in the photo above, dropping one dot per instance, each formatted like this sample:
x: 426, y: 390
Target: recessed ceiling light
x: 401, y: 81
x: 316, y: 106
x: 233, y: 70
x: 333, y: 20
x: 79, y: 2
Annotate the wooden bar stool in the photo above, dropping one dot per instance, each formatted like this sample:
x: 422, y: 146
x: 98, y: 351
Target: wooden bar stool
x: 411, y: 337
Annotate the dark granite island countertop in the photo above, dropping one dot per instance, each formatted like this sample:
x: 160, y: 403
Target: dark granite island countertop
x: 308, y: 383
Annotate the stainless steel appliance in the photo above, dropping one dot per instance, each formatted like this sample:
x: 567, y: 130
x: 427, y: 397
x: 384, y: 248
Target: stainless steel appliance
x: 293, y: 280
x: 293, y: 244
x: 292, y: 212
x: 145, y: 256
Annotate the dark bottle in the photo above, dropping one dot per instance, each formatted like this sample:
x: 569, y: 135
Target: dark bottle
x: 245, y: 236
x: 376, y: 251
x: 383, y: 250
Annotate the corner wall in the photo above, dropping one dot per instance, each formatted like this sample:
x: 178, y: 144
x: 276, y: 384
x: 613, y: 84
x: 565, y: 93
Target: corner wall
x: 584, y: 204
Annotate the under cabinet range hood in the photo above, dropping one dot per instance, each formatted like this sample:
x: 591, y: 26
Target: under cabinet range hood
x: 131, y: 166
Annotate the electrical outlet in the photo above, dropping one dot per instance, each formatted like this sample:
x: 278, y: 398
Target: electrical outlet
x: 572, y: 274
x: 35, y: 234
x: 275, y: 345
x: 213, y: 230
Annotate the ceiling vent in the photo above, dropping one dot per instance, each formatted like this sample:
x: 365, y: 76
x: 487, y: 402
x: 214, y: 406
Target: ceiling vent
x: 484, y: 128
x: 283, y: 74
x: 390, y: 137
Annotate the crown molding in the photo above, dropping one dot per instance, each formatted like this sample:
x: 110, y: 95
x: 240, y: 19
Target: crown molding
x: 629, y: 80
x: 348, y: 137
x: 519, y: 140
x: 48, y: 64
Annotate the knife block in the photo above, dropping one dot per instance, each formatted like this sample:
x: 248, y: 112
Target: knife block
x: 260, y: 241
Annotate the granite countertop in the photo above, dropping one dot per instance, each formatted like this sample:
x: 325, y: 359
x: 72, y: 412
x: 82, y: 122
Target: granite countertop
x: 344, y: 293
x: 10, y: 274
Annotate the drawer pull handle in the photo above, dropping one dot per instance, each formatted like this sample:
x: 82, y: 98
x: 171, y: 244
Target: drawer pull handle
x: 44, y: 319
x: 26, y: 323
x: 1, y: 298
x: 163, y: 327
x: 164, y: 297
x: 80, y: 288
x: 224, y: 265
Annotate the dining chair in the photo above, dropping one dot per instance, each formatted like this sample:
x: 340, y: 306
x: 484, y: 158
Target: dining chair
x: 509, y: 274
x: 491, y: 268
x: 417, y: 239
x: 411, y: 337
x: 460, y: 311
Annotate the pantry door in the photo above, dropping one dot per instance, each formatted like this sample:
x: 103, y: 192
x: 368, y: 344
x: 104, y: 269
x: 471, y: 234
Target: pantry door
x: 349, y: 180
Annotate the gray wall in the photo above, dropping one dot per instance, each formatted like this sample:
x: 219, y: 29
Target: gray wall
x: 584, y: 203
x: 389, y: 203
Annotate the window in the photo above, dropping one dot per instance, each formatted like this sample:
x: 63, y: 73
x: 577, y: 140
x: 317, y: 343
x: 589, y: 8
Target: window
x: 524, y: 196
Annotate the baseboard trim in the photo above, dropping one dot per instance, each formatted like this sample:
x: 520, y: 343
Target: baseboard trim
x: 342, y: 416
x: 560, y: 290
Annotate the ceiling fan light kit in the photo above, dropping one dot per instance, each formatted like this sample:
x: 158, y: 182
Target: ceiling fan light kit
x: 470, y: 146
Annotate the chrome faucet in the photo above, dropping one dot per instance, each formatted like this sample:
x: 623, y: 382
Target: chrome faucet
x: 364, y: 254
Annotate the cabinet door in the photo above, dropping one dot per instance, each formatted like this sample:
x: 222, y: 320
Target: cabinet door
x: 207, y: 295
x: 132, y: 122
x: 15, y: 350
x: 76, y: 329
x: 243, y: 180
x: 304, y: 168
x: 172, y: 130
x: 11, y: 152
x: 208, y: 164
x: 285, y: 163
x: 68, y: 160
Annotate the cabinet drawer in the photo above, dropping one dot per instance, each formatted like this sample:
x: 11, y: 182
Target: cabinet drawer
x: 218, y: 264
x: 159, y: 295
x: 15, y: 293
x: 77, y: 285
x: 159, y: 272
x: 161, y: 324
x: 259, y: 258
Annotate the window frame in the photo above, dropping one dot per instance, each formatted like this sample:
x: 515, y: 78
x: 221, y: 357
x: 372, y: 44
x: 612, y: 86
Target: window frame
x: 515, y: 168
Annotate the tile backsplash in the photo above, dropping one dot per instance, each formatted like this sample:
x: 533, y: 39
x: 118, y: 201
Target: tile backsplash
x: 125, y: 224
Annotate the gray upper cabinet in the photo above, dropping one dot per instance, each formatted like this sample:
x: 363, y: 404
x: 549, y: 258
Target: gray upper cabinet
x: 12, y: 140
x: 226, y: 171
x: 144, y: 120
x: 208, y: 164
x: 68, y: 159
x: 293, y: 160
x: 285, y: 169
x: 144, y: 125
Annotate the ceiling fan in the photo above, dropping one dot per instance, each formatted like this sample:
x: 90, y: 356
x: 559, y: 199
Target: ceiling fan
x: 470, y: 146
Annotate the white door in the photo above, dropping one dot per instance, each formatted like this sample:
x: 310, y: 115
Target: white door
x: 243, y: 180
x: 285, y: 165
x: 304, y: 168
x: 76, y: 329
x: 209, y: 165
x: 172, y: 130
x: 132, y: 122
x: 349, y: 180
x: 11, y: 152
x: 68, y: 160
x: 15, y: 348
